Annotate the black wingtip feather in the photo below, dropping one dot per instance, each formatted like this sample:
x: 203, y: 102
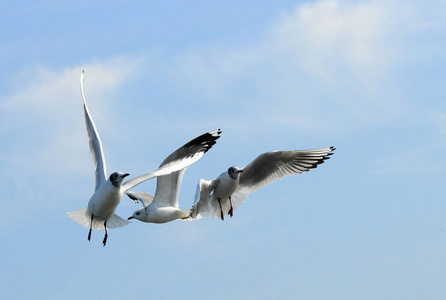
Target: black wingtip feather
x: 205, y: 141
x: 133, y: 198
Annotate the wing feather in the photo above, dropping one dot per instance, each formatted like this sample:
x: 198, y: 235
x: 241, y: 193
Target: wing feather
x: 168, y: 189
x: 203, y: 204
x: 271, y: 166
x: 95, y: 143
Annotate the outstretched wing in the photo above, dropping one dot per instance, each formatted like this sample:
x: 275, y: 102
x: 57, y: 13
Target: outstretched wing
x: 95, y: 143
x: 203, y: 204
x: 180, y: 159
x: 144, y: 198
x: 274, y: 165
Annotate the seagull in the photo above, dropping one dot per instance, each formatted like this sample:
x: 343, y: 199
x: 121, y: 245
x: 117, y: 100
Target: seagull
x: 100, y: 213
x: 163, y: 207
x: 231, y: 188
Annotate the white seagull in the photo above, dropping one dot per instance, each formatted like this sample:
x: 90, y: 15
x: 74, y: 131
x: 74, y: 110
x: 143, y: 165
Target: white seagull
x: 215, y: 197
x: 163, y: 207
x: 100, y: 213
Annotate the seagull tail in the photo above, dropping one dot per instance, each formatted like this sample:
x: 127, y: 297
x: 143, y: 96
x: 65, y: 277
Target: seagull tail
x: 83, y: 217
x: 116, y: 222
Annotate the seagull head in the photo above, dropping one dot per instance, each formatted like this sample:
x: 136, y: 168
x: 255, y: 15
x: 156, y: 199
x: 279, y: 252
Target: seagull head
x: 234, y: 172
x: 116, y: 178
x: 138, y: 214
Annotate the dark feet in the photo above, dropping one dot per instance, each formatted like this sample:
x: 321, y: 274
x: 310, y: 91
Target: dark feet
x: 104, y: 242
x: 91, y: 225
x: 221, y: 210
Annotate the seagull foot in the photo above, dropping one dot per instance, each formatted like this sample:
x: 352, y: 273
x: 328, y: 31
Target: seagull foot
x: 231, y: 212
x: 221, y: 210
x: 89, y: 235
x: 104, y: 242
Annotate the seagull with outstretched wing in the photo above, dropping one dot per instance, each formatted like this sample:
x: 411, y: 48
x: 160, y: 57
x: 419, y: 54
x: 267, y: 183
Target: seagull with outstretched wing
x: 163, y: 207
x: 218, y: 197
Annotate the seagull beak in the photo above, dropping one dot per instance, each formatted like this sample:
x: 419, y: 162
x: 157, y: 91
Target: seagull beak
x: 129, y: 218
x: 240, y: 171
x: 125, y: 175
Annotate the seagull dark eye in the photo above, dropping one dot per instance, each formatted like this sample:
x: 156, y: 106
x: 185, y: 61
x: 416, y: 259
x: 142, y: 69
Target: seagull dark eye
x: 137, y: 213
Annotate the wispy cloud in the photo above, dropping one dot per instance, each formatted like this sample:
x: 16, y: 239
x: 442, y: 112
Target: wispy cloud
x: 331, y: 65
x: 340, y: 42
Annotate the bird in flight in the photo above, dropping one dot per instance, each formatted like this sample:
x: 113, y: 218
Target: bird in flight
x: 219, y: 197
x: 163, y: 207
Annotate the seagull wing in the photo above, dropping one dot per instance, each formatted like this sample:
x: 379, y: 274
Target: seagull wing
x: 168, y: 189
x: 271, y: 166
x: 144, y: 198
x: 203, y: 204
x: 95, y: 143
x: 182, y: 158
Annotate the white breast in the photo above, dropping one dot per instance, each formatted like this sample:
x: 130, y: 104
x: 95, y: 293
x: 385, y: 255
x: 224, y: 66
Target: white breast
x: 104, y: 201
x: 226, y: 187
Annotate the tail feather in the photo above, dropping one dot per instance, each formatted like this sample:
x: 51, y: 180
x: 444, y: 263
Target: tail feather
x: 116, y: 222
x: 83, y: 217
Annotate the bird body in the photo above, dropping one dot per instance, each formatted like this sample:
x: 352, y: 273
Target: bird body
x: 156, y: 211
x: 225, y: 186
x: 105, y: 200
x: 164, y: 214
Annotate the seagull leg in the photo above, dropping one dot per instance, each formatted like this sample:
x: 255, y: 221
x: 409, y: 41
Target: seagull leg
x: 221, y: 210
x: 231, y: 210
x: 106, y: 235
x: 91, y: 226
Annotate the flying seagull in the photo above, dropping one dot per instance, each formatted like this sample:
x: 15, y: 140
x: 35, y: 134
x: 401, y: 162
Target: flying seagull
x: 221, y: 196
x: 163, y: 207
x: 100, y: 213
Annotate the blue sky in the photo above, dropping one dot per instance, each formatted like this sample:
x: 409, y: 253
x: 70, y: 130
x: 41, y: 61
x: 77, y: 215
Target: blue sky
x: 364, y: 76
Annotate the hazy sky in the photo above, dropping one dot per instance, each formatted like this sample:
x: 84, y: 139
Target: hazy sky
x: 367, y: 77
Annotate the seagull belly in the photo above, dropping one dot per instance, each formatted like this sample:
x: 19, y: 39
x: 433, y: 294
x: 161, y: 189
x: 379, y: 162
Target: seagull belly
x: 165, y: 214
x: 103, y: 203
x: 225, y: 189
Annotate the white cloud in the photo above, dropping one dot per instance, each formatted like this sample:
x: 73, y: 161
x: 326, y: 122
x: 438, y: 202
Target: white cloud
x: 333, y: 37
x: 331, y: 65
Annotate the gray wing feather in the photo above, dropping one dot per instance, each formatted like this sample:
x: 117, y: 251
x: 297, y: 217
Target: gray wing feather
x: 168, y: 189
x: 95, y: 143
x: 271, y: 166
